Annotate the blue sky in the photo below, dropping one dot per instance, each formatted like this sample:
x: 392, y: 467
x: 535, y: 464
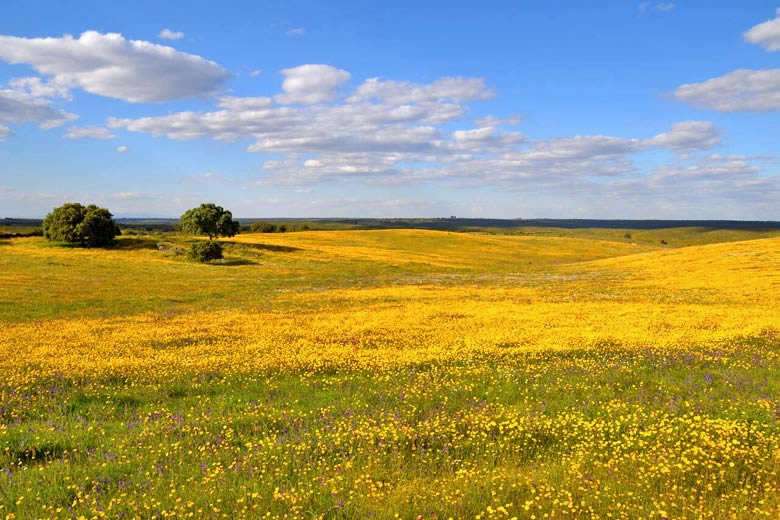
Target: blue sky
x: 322, y: 109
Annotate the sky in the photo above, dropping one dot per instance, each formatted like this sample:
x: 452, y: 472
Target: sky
x: 514, y: 109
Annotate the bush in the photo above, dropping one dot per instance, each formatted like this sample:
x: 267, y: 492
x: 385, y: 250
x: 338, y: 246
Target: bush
x: 282, y: 228
x: 262, y: 227
x: 205, y: 251
x: 89, y: 226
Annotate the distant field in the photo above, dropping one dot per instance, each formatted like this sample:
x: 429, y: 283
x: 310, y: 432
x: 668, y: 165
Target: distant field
x: 528, y: 373
x: 18, y: 229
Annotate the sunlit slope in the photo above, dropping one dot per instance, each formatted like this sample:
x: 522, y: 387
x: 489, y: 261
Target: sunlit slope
x: 671, y: 237
x: 701, y: 296
x: 444, y: 249
x: 145, y: 273
x: 745, y: 272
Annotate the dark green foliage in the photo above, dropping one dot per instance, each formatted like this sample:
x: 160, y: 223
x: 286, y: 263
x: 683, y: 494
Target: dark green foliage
x: 263, y: 227
x: 89, y: 226
x: 205, y: 251
x: 282, y: 228
x: 211, y: 220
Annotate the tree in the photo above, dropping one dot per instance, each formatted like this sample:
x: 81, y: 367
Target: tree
x: 205, y: 251
x: 209, y: 219
x: 262, y: 227
x: 89, y: 226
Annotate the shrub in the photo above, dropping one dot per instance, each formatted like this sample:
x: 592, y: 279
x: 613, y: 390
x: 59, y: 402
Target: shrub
x: 205, y: 251
x: 282, y: 228
x: 209, y: 219
x: 627, y: 235
x: 89, y: 226
x: 263, y: 227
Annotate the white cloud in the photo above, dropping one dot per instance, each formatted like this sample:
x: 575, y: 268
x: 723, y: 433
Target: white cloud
x: 167, y: 34
x: 766, y: 34
x: 510, y: 120
x: 728, y: 169
x: 743, y: 90
x: 21, y: 107
x: 297, y: 31
x: 255, y: 73
x: 121, y: 149
x: 688, y: 136
x: 400, y: 92
x: 391, y: 132
x: 244, y: 103
x: 740, y: 91
x: 476, y: 135
x: 5, y: 132
x: 90, y: 132
x: 112, y: 66
x: 308, y: 84
x: 36, y: 87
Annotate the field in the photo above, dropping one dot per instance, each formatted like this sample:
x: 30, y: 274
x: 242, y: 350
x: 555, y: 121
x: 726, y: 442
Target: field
x: 415, y: 374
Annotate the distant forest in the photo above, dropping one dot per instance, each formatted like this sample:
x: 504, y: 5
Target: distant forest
x: 451, y: 223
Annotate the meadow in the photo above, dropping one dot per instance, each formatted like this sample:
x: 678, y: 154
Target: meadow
x: 535, y: 373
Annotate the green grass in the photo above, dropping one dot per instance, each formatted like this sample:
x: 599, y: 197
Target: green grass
x: 148, y: 272
x: 84, y: 443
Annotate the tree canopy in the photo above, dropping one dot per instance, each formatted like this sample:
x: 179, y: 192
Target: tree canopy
x: 89, y: 226
x: 211, y: 220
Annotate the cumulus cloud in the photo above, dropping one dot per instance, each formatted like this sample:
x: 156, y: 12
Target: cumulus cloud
x: 688, y: 136
x: 5, y: 132
x: 740, y: 91
x: 244, y: 103
x: 167, y: 34
x: 510, y: 120
x: 112, y: 66
x: 766, y: 34
x: 743, y: 90
x: 720, y: 168
x: 21, y: 107
x: 36, y: 87
x: 402, y: 92
x: 89, y: 132
x: 392, y: 132
x: 122, y: 149
x: 308, y: 84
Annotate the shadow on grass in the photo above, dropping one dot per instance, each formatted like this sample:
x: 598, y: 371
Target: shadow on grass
x: 123, y: 244
x: 235, y: 261
x: 133, y: 244
x: 40, y: 453
x: 267, y: 247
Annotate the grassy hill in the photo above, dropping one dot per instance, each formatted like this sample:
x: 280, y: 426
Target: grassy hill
x: 393, y: 374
